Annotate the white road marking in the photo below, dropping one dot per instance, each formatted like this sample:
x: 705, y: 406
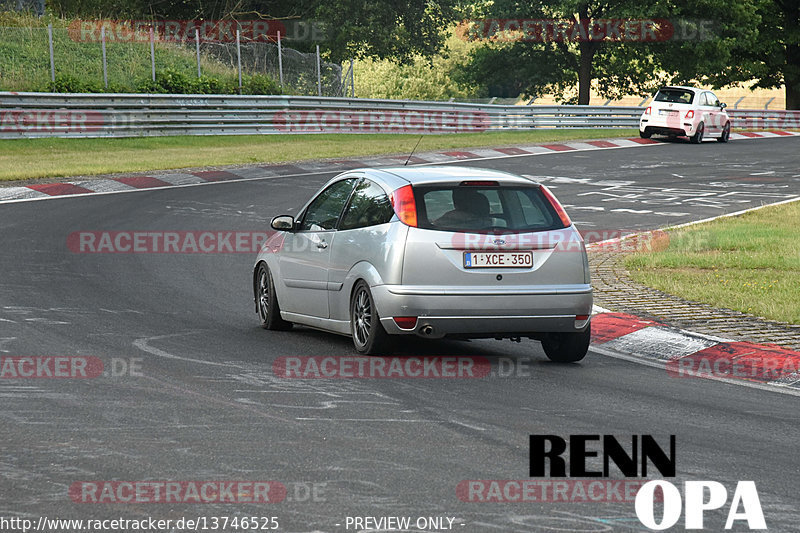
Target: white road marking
x: 585, y: 208
x: 143, y: 344
x: 659, y: 343
x: 3, y: 341
x: 470, y: 426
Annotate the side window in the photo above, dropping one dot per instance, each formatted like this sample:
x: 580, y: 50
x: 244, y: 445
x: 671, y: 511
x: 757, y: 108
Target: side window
x: 369, y: 206
x: 712, y: 99
x: 324, y: 210
x: 702, y: 99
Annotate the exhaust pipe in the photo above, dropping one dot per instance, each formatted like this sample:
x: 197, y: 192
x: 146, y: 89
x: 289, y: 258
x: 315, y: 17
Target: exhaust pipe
x: 427, y: 330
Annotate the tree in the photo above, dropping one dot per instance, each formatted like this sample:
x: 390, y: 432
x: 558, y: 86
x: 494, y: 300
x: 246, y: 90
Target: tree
x: 774, y: 59
x: 395, y: 29
x: 421, y: 79
x: 385, y: 29
x: 647, y: 52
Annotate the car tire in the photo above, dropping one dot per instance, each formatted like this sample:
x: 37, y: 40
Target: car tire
x: 645, y: 134
x: 726, y: 133
x: 269, y: 312
x: 369, y: 337
x: 697, y: 138
x: 567, y: 347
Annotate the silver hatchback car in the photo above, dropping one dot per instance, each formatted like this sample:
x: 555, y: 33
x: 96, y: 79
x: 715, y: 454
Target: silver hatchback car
x: 433, y: 252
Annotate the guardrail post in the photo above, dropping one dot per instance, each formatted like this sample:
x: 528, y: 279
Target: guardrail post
x: 280, y: 60
x: 153, y: 53
x: 197, y: 48
x: 319, y: 74
x: 766, y: 106
x: 52, y: 57
x: 239, y: 59
x: 105, y: 63
x: 643, y: 101
x: 736, y: 105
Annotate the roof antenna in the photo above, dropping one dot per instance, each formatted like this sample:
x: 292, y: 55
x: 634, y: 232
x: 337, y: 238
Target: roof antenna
x: 412, y: 151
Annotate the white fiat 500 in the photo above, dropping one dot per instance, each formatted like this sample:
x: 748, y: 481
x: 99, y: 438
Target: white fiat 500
x: 686, y: 112
x: 433, y: 252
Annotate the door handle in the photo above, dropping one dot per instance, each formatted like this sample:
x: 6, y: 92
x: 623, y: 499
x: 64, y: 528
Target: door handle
x: 322, y: 244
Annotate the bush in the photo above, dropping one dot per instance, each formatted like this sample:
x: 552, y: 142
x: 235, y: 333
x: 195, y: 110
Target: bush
x: 66, y: 83
x: 213, y: 85
x: 260, y: 84
x: 168, y: 81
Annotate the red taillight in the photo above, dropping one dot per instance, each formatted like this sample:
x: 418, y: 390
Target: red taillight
x: 689, y: 114
x: 581, y: 317
x: 406, y: 322
x: 647, y: 111
x: 405, y: 206
x: 557, y: 206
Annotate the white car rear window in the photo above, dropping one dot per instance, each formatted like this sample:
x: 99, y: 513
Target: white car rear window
x: 677, y: 96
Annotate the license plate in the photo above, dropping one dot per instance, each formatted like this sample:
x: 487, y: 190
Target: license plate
x: 498, y: 259
x: 667, y: 112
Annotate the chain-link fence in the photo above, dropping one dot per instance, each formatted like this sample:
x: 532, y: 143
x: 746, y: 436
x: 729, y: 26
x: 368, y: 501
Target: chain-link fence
x: 297, y: 70
x: 99, y: 58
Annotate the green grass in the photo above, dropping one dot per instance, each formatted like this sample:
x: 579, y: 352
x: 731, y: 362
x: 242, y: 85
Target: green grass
x: 750, y: 263
x: 47, y: 158
x: 25, y: 58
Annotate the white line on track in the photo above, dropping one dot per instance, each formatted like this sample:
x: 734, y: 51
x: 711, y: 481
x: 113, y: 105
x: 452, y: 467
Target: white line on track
x: 143, y: 344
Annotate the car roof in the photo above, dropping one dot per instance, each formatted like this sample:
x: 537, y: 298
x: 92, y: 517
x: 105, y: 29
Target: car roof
x: 438, y: 174
x: 684, y: 87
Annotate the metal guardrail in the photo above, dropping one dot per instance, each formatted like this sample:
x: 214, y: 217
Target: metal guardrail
x: 30, y: 115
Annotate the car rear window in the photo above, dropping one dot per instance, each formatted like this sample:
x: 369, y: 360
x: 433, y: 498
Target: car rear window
x: 677, y: 96
x: 469, y: 208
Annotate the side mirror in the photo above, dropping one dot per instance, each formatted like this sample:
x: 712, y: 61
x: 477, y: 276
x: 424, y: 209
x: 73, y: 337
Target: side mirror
x: 723, y: 105
x: 283, y: 223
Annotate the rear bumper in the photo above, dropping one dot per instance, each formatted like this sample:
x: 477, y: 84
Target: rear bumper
x: 662, y: 126
x: 479, y: 312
